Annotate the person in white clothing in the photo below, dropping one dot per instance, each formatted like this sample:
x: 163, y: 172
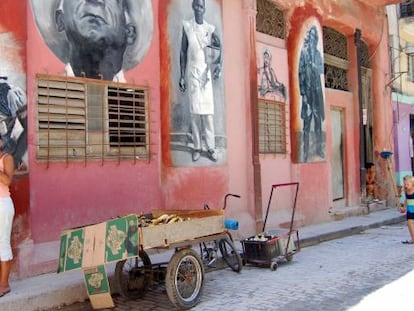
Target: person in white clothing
x: 6, y: 219
x: 200, y: 62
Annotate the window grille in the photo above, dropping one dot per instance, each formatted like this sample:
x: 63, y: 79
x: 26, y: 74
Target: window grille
x: 335, y: 46
x: 410, y: 61
x: 407, y: 9
x: 270, y: 19
x: 335, y: 43
x: 81, y: 119
x: 365, y: 57
x: 272, y: 127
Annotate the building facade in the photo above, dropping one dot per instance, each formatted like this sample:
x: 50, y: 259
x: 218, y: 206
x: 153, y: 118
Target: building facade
x: 401, y: 82
x: 173, y: 104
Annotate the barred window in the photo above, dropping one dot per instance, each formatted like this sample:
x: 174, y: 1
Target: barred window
x: 81, y: 119
x: 270, y: 19
x: 407, y: 9
x: 365, y: 57
x: 336, y: 65
x: 272, y: 126
x: 410, y: 73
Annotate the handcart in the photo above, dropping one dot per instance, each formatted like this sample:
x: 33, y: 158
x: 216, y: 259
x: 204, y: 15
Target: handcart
x: 127, y: 242
x: 271, y: 247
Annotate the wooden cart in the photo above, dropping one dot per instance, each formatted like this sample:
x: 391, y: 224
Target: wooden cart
x: 125, y: 242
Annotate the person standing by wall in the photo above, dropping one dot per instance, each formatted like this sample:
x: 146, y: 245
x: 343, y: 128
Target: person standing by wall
x: 6, y: 219
x: 197, y: 68
x: 408, y: 206
x: 411, y: 150
x: 371, y: 182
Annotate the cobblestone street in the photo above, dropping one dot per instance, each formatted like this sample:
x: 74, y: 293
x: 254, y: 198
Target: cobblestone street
x: 331, y: 276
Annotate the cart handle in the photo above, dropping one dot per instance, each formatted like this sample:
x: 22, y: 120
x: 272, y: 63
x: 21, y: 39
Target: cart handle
x: 206, y: 207
x: 294, y: 203
x: 285, y: 184
x: 229, y: 195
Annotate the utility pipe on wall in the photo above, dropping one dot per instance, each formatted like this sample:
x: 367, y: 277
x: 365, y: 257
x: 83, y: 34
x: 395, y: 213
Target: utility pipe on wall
x: 250, y: 5
x: 362, y: 159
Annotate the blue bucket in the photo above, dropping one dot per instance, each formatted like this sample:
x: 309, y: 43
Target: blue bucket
x: 231, y: 224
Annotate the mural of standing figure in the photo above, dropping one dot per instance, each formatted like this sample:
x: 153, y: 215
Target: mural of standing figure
x: 96, y: 39
x: 310, y: 70
x: 200, y: 61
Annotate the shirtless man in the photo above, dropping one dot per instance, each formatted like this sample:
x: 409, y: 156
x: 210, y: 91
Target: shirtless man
x: 371, y: 182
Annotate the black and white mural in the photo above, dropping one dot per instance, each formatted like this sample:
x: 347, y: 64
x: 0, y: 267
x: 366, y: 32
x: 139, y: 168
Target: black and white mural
x: 197, y: 96
x: 96, y: 39
x: 269, y: 86
x: 13, y: 102
x: 311, y: 87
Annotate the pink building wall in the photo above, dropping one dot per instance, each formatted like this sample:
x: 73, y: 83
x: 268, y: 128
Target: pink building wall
x: 75, y: 194
x: 13, y: 65
x: 402, y: 113
x: 64, y: 196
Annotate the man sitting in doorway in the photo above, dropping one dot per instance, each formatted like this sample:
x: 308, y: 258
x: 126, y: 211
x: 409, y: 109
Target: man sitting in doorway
x: 371, y: 182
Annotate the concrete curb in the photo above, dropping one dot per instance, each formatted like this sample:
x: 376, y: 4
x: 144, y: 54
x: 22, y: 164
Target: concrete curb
x: 340, y: 233
x: 44, y: 292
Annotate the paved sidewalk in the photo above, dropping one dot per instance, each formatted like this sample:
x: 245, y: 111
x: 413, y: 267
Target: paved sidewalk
x: 53, y: 290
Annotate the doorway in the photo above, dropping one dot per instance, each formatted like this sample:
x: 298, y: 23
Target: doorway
x: 337, y: 152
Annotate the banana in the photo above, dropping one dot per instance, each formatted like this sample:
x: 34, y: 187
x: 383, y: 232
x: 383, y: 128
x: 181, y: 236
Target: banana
x: 175, y: 219
x: 160, y: 219
x: 167, y: 219
x: 170, y: 217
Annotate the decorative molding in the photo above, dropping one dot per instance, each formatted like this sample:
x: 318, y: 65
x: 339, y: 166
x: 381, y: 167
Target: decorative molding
x: 249, y: 5
x: 336, y: 61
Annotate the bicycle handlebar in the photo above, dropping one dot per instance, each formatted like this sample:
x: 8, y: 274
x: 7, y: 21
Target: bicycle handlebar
x: 228, y: 195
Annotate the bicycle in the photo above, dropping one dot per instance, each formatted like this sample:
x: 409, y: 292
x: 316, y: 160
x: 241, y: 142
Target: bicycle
x: 229, y: 253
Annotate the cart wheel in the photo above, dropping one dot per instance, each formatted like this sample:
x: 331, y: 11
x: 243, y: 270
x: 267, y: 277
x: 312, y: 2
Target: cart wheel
x: 230, y: 255
x: 133, y: 275
x: 185, y: 278
x: 273, y: 266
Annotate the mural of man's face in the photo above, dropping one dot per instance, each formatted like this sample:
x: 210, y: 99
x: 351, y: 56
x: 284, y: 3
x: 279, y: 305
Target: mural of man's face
x: 98, y: 21
x: 199, y: 7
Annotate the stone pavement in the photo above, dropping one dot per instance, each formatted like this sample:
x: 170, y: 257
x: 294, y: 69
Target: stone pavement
x: 52, y: 290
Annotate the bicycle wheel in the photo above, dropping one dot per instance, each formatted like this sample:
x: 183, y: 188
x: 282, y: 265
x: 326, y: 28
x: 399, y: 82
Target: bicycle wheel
x: 134, y: 275
x: 185, y: 278
x: 230, y: 255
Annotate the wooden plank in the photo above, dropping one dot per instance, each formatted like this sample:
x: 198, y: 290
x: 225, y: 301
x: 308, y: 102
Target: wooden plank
x: 60, y: 101
x: 59, y: 135
x: 61, y: 119
x: 61, y: 84
x: 165, y: 235
x: 188, y: 213
x: 61, y: 92
x: 64, y: 111
x: 54, y: 153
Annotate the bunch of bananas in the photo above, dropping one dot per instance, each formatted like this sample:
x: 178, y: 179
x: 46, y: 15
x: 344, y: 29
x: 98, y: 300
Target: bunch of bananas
x: 146, y: 221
